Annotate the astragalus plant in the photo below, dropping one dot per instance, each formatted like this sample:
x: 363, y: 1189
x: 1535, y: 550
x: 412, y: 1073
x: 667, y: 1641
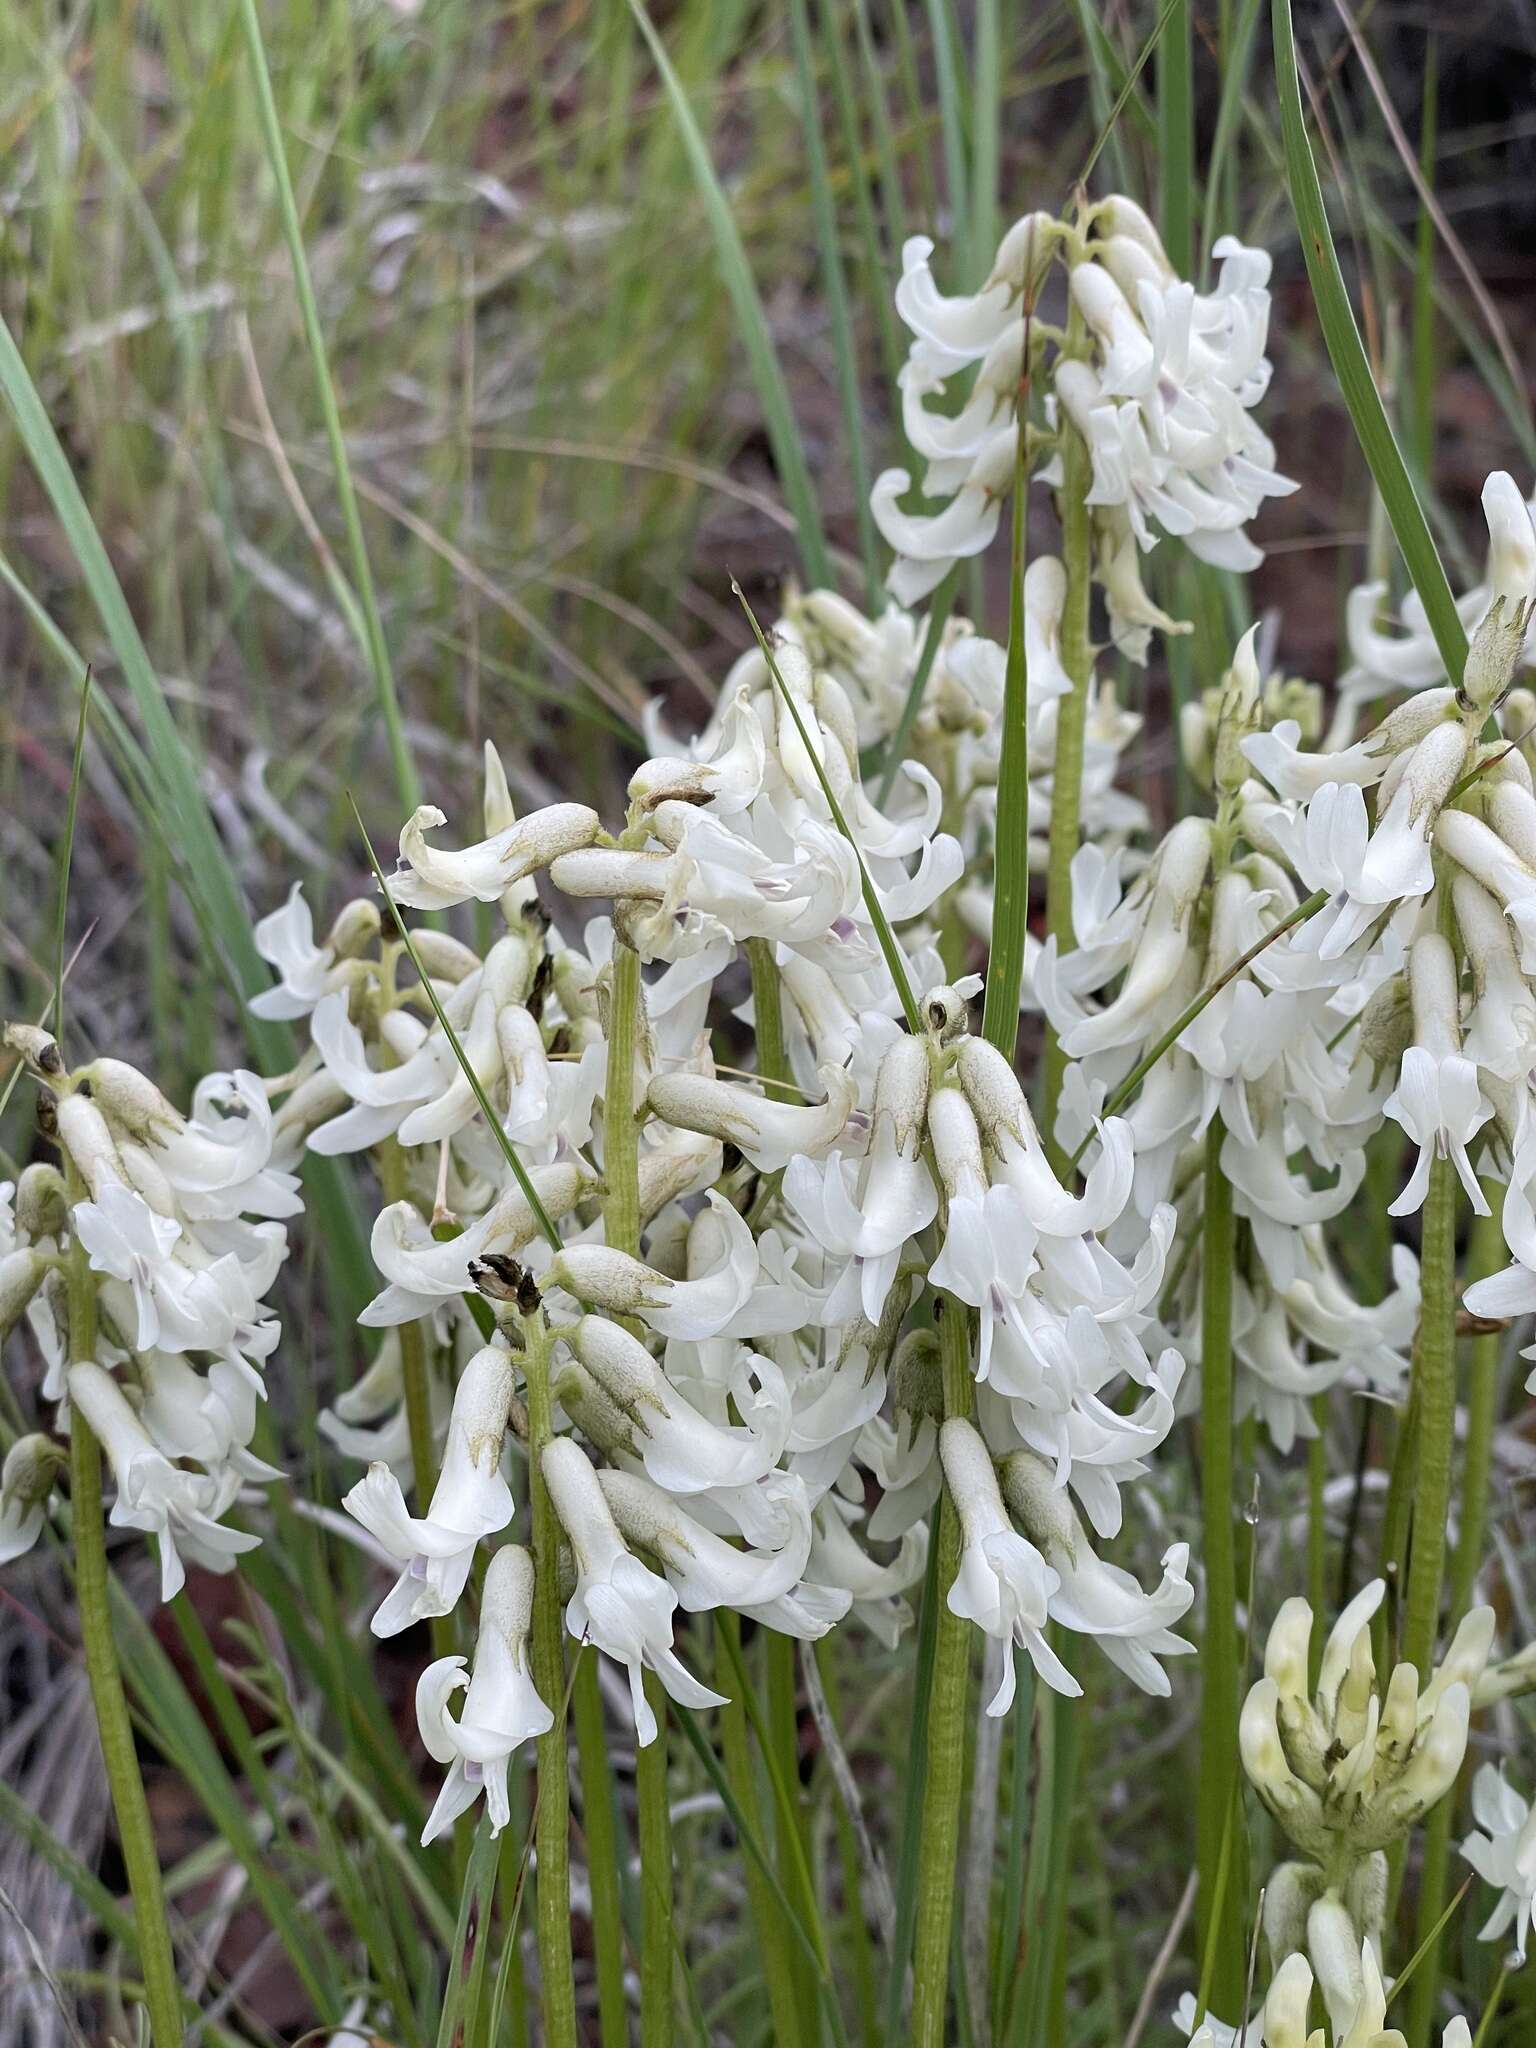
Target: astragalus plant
x: 744, y: 1293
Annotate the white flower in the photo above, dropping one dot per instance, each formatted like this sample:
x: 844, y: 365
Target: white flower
x: 1004, y: 1585
x: 429, y: 878
x: 715, y: 1302
x: 471, y: 1500
x: 864, y: 1212
x: 1437, y: 1100
x: 502, y: 1708
x: 680, y: 1448
x: 179, y: 1508
x: 1503, y: 1853
x: 766, y: 1132
x: 706, y: 1572
x: 32, y: 1464
x: 286, y: 939
x: 1093, y: 1598
x: 218, y: 1161
x: 618, y: 1605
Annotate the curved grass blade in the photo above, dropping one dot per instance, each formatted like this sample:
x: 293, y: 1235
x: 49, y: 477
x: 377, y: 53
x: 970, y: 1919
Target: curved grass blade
x: 1346, y: 352
x: 736, y: 274
x: 374, y: 643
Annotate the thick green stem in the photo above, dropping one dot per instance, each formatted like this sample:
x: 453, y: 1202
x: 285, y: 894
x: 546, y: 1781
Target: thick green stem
x: 1071, y: 725
x: 162, y: 1995
x: 1487, y: 1255
x: 1219, y: 1918
x: 552, y: 1825
x: 621, y: 1133
x: 1434, y: 1400
x: 944, y: 1788
x: 600, y: 1828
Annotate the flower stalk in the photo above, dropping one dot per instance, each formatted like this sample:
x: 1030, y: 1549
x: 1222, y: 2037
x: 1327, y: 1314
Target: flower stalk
x: 942, y: 1793
x: 157, y: 1962
x: 552, y: 1824
x: 1218, y: 1918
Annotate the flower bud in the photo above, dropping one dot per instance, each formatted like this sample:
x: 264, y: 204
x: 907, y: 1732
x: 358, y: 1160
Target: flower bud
x: 901, y: 1093
x: 85, y: 1135
x: 916, y: 1378
x: 1237, y: 717
x: 40, y: 1205
x: 1285, y: 2008
x: 1292, y: 1891
x: 130, y: 1099
x: 1333, y: 1944
x: 1386, y: 1022
x: 442, y: 956
x: 38, y: 1048
x: 22, y: 1272
x: 956, y: 1141
x: 356, y: 929
x: 595, y: 1412
x: 32, y: 1464
x: 1294, y: 1804
x: 611, y: 871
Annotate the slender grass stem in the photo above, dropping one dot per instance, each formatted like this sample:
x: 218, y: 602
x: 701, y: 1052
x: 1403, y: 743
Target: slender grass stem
x: 162, y: 1996
x: 552, y: 1824
x: 1487, y: 1255
x: 942, y: 1798
x: 600, y: 1828
x: 1219, y: 1921
x: 375, y: 645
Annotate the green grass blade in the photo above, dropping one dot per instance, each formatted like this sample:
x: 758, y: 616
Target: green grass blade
x: 943, y: 37
x: 1237, y: 64
x: 1346, y: 352
x: 375, y: 646
x: 66, y: 856
x: 1176, y: 139
x: 751, y: 321
x: 825, y: 218
x: 987, y: 82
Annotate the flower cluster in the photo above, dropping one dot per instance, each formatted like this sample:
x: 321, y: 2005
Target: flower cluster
x: 717, y: 1267
x: 142, y: 1270
x: 1158, y: 380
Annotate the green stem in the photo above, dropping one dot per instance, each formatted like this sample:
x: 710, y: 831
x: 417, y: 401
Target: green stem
x: 1486, y: 1255
x: 774, y: 1942
x: 1219, y: 1920
x: 779, y: 1651
x: 162, y: 1996
x: 1071, y: 725
x: 600, y: 1829
x: 1317, y: 1529
x: 621, y: 1225
x: 768, y: 1020
x: 655, y: 1827
x: 552, y: 1823
x: 942, y: 1796
x: 621, y: 1133
x: 1434, y: 1398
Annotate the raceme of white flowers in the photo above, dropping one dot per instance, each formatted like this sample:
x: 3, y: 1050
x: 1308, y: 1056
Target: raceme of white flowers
x: 141, y: 1271
x: 694, y: 1167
